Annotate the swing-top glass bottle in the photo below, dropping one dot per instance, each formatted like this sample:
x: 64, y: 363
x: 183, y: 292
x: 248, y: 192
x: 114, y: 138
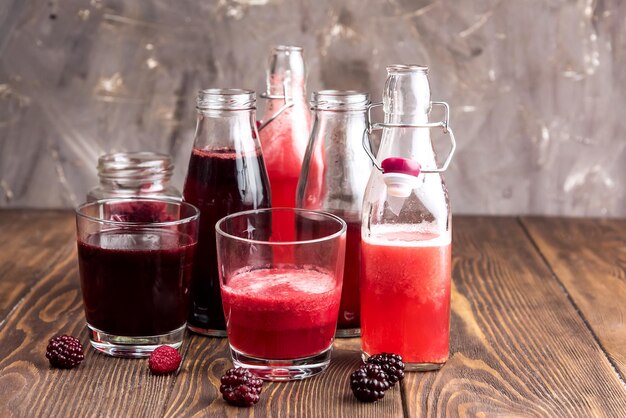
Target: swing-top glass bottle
x: 406, y: 230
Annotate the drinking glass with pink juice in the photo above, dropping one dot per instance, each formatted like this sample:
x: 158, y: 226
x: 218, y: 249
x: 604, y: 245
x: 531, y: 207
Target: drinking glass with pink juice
x: 281, y: 316
x: 406, y: 233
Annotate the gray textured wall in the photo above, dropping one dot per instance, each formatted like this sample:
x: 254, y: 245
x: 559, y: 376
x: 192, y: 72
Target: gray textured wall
x: 537, y: 87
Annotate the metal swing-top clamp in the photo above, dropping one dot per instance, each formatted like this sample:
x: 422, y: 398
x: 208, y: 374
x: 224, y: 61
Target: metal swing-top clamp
x: 444, y: 124
x: 288, y: 101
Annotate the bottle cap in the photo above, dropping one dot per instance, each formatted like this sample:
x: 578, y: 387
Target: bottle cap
x: 400, y: 175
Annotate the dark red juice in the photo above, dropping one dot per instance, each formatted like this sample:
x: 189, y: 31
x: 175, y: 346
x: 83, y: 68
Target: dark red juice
x: 219, y: 182
x: 349, y: 309
x: 135, y: 282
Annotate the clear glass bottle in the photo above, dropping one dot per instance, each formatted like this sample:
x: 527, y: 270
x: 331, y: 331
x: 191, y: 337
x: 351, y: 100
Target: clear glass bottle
x: 286, y: 125
x: 134, y: 174
x: 406, y: 233
x: 226, y: 174
x: 334, y: 175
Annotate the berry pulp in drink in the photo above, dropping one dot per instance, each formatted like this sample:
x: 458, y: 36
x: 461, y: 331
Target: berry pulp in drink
x: 281, y: 313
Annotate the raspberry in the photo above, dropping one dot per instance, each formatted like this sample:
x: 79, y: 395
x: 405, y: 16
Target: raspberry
x: 240, y: 387
x: 391, y: 364
x: 164, y: 360
x: 369, y: 383
x: 64, y: 351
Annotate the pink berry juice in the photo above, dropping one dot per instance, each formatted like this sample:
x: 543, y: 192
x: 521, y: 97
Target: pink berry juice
x: 405, y: 296
x: 284, y: 141
x: 281, y: 313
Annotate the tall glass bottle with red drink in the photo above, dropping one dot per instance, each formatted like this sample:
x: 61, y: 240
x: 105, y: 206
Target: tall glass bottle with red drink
x: 286, y: 125
x: 226, y: 174
x: 333, y: 179
x: 406, y: 232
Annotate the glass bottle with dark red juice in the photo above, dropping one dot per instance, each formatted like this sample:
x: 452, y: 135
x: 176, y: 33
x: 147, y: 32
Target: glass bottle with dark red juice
x: 334, y: 176
x: 226, y: 174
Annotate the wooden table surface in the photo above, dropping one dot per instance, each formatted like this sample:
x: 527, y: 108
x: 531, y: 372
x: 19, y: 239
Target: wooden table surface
x: 538, y: 329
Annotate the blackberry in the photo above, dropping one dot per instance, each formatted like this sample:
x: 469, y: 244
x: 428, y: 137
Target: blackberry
x: 369, y: 383
x: 64, y: 351
x: 391, y: 364
x: 240, y: 387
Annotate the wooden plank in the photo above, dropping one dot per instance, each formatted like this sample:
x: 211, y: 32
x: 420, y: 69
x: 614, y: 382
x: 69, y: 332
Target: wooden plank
x: 327, y: 395
x: 518, y: 345
x: 100, y: 386
x: 105, y: 386
x: 589, y: 258
x: 30, y: 243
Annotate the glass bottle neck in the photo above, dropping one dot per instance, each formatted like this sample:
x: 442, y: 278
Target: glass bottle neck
x: 285, y: 85
x: 406, y: 119
x: 412, y: 143
x: 285, y: 72
x: 346, y: 124
x: 227, y: 129
x: 406, y: 101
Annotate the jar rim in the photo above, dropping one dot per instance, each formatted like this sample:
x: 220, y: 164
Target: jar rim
x: 407, y: 68
x: 290, y: 48
x: 220, y: 230
x: 339, y: 100
x: 192, y: 216
x: 135, y: 165
x: 226, y: 99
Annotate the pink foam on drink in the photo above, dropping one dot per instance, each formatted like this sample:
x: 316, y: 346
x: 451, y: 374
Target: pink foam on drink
x: 281, y: 313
